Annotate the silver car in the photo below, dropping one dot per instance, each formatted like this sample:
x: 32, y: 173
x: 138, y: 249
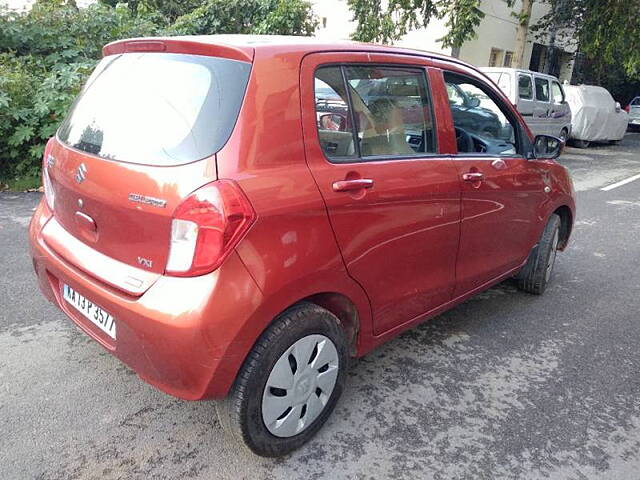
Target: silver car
x: 634, y: 113
x: 539, y: 98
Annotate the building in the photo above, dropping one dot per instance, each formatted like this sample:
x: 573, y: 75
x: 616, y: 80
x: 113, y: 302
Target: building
x: 494, y: 44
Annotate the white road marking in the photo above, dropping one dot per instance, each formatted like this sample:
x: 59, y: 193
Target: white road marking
x: 621, y: 183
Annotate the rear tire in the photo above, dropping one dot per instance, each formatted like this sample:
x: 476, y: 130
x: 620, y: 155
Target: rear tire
x: 564, y: 135
x: 288, y: 354
x: 582, y: 143
x: 536, y: 274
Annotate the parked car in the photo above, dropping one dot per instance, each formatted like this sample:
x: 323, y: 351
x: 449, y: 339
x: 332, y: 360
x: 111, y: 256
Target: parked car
x: 539, y: 98
x: 633, y: 109
x: 597, y: 117
x: 203, y: 223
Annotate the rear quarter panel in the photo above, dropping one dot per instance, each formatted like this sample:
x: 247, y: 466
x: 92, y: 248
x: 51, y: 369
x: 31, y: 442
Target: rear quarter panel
x: 291, y: 250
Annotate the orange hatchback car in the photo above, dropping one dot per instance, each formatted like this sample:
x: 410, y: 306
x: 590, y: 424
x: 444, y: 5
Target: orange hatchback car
x: 237, y: 216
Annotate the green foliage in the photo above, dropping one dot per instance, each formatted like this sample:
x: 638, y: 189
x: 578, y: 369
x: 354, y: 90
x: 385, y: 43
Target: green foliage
x: 276, y: 17
x: 387, y: 21
x: 607, y: 31
x: 47, y: 53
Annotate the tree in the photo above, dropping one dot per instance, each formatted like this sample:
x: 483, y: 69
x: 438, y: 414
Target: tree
x: 606, y: 30
x: 282, y: 17
x: 384, y: 25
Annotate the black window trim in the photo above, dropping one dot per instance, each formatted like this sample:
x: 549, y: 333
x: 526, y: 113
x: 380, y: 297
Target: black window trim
x: 358, y: 158
x: 522, y: 140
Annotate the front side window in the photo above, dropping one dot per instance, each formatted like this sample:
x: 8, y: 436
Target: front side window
x: 366, y: 111
x: 480, y: 122
x: 157, y: 108
x: 525, y: 87
x: 542, y: 90
x: 558, y: 94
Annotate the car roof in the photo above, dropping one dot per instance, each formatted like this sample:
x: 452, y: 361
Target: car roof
x: 519, y: 70
x: 248, y: 45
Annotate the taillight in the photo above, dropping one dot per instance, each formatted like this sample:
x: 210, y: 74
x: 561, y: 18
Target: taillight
x: 206, y: 227
x: 48, y: 162
x: 628, y: 108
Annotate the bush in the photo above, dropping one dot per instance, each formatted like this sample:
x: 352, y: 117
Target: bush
x: 45, y: 57
x: 47, y: 53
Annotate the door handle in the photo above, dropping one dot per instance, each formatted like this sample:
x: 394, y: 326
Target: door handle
x: 350, y: 185
x: 473, y: 177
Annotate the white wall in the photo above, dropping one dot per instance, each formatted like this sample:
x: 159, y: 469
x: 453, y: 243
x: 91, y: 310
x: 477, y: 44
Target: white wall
x: 338, y: 17
x: 498, y: 29
x: 427, y: 38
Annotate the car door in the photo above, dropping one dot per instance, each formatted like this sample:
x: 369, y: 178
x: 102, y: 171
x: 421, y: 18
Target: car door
x: 542, y: 108
x: 393, y: 201
x: 526, y: 102
x: 501, y: 190
x: 560, y: 111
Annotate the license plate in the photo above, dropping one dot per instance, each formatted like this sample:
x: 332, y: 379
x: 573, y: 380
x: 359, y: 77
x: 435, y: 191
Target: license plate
x: 101, y: 319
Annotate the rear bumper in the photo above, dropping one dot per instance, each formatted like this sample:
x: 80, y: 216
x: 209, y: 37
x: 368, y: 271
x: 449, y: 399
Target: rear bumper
x: 185, y: 336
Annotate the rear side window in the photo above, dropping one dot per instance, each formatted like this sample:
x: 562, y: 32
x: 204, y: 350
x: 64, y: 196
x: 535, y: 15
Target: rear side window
x: 367, y: 111
x: 157, y: 108
x: 558, y: 94
x: 542, y: 90
x: 525, y: 87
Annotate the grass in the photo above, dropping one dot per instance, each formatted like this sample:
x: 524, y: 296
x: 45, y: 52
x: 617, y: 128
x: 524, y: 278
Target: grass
x: 20, y: 184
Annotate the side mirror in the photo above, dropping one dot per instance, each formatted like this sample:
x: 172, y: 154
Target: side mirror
x: 473, y: 102
x: 618, y: 107
x: 546, y: 147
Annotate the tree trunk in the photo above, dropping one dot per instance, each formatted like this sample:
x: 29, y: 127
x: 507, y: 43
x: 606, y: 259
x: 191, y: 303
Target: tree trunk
x: 523, y: 31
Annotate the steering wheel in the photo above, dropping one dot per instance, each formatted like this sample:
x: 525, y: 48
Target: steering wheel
x: 464, y: 141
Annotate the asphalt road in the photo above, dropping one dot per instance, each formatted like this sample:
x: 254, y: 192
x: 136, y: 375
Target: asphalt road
x: 507, y: 385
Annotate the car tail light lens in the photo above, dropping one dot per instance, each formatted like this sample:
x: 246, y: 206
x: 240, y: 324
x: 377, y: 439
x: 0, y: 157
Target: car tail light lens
x: 206, y: 227
x: 628, y: 108
x: 47, y: 161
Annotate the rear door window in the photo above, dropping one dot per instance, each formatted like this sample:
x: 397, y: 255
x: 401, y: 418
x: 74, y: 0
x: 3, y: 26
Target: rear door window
x: 367, y: 111
x: 542, y: 89
x: 157, y: 108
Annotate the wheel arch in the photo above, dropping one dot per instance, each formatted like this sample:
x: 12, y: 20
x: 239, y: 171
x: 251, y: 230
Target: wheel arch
x: 344, y: 309
x: 566, y: 225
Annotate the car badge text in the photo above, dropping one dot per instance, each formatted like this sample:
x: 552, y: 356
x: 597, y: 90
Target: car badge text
x: 155, y: 202
x: 145, y: 262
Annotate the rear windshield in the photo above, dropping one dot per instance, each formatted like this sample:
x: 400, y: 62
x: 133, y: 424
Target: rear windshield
x: 157, y: 108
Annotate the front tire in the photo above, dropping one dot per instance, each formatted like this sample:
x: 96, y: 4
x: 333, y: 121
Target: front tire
x: 536, y: 274
x: 289, y: 384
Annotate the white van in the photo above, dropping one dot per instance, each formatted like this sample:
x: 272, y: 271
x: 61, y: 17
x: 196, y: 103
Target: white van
x: 538, y: 97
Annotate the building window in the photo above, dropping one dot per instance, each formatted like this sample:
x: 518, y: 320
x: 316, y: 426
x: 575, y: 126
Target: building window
x: 508, y: 59
x: 495, y: 58
x: 324, y: 22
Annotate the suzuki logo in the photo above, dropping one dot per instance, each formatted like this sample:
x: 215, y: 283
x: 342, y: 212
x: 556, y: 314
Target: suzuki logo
x: 81, y: 173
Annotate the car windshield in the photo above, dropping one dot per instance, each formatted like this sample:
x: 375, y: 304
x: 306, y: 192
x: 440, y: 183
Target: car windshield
x: 157, y: 108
